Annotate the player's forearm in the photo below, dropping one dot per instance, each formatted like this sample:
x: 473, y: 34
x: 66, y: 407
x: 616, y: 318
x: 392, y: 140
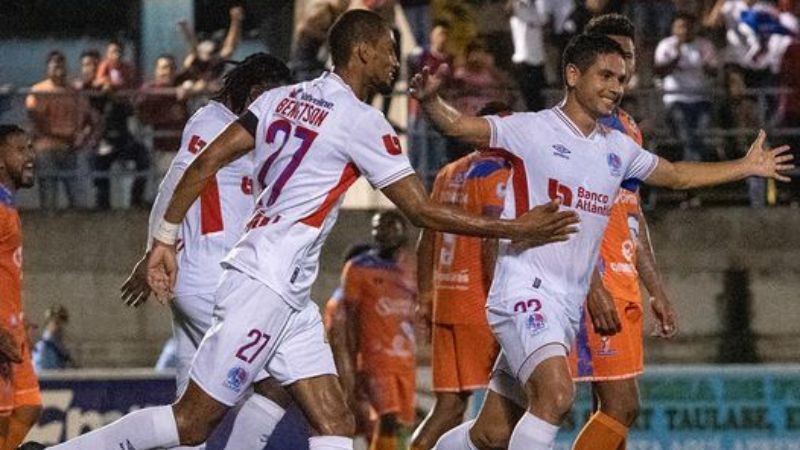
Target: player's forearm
x: 165, y: 191
x: 690, y: 175
x: 450, y: 122
x: 231, y: 39
x: 438, y: 217
x: 425, y: 266
x: 646, y: 262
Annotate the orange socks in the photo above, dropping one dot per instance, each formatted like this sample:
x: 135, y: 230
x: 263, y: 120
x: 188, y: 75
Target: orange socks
x: 601, y: 432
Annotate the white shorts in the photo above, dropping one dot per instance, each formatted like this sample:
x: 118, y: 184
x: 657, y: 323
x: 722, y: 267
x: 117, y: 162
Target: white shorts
x: 528, y: 322
x: 192, y: 317
x: 254, y: 329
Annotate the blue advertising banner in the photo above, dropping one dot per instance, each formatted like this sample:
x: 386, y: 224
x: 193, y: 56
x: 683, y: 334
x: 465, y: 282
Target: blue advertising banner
x: 683, y: 408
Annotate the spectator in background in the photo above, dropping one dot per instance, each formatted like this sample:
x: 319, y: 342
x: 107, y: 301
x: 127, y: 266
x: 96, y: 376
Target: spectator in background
x: 418, y: 14
x: 688, y: 64
x: 62, y: 123
x: 527, y: 33
x: 204, y: 65
x: 309, y: 53
x: 162, y: 106
x: 50, y: 353
x: 114, y: 75
x: 89, y: 62
x: 427, y: 148
x: 479, y: 81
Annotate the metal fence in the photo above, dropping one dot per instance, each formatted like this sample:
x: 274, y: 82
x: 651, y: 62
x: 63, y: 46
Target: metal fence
x: 132, y: 176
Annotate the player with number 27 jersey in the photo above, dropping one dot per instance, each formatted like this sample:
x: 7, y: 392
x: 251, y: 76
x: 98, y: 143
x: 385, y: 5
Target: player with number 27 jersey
x: 299, y: 199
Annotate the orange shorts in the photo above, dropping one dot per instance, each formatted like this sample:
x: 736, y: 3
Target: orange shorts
x: 23, y: 389
x: 393, y: 393
x: 600, y: 358
x: 463, y: 356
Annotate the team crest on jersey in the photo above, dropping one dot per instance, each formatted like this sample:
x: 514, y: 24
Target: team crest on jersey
x: 536, y: 323
x: 561, y: 151
x: 605, y: 347
x: 235, y: 379
x: 614, y: 164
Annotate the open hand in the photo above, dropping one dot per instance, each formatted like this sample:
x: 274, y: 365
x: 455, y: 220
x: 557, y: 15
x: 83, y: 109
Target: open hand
x: 602, y: 311
x: 162, y: 270
x: 545, y: 224
x: 424, y: 85
x: 135, y: 290
x: 769, y: 163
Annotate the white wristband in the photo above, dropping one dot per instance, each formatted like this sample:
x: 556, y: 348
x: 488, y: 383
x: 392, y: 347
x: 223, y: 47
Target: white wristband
x: 166, y: 232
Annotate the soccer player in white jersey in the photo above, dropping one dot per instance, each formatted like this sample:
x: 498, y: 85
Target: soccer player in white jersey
x: 211, y: 227
x: 312, y: 140
x: 535, y: 302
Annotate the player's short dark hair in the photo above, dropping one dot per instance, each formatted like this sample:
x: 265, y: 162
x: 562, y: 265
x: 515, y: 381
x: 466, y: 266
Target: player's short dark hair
x: 352, y: 28
x: 686, y: 16
x: 91, y: 53
x: 495, y: 108
x: 611, y: 25
x: 356, y: 250
x: 7, y: 130
x: 55, y: 55
x: 258, y: 68
x: 584, y: 48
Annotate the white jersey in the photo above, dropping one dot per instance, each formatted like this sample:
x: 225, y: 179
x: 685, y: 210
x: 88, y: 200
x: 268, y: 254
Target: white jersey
x: 313, y: 140
x: 215, y: 222
x: 552, y: 159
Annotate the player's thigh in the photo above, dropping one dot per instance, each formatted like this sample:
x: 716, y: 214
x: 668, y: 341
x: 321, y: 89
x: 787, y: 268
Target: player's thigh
x: 251, y: 322
x: 497, y: 418
x: 322, y: 400
x: 526, y: 323
x: 476, y: 353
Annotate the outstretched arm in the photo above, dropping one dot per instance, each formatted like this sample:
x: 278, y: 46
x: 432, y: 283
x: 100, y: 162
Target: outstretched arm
x: 234, y: 33
x: 425, y: 86
x: 651, y: 278
x: 541, y: 225
x: 759, y: 161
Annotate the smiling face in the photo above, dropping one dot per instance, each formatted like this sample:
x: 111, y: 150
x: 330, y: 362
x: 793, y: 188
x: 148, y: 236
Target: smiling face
x: 17, y: 159
x: 381, y: 66
x: 629, y: 53
x: 599, y: 88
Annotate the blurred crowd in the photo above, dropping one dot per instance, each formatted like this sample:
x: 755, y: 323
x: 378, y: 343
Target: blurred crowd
x: 709, y: 74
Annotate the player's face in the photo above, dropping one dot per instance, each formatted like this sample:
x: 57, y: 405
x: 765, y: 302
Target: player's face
x: 382, y: 66
x: 388, y: 232
x: 600, y: 87
x: 630, y: 53
x: 18, y: 159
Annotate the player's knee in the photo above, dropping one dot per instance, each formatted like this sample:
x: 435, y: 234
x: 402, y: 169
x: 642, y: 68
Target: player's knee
x: 270, y: 389
x: 558, y: 400
x: 452, y: 406
x: 623, y: 409
x: 191, y: 431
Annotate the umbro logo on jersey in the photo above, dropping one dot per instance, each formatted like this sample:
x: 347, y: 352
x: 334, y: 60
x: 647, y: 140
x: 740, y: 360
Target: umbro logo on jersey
x: 561, y: 151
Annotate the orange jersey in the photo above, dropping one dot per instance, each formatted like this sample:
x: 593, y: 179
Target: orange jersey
x: 475, y: 183
x: 620, y: 242
x: 382, y: 295
x: 10, y: 265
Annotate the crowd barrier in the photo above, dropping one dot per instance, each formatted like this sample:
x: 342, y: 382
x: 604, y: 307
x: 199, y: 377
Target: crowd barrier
x: 683, y: 408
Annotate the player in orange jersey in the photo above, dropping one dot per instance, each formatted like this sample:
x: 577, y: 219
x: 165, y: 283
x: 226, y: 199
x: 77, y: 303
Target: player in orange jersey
x: 454, y: 276
x: 20, y: 400
x: 608, y: 350
x: 380, y: 299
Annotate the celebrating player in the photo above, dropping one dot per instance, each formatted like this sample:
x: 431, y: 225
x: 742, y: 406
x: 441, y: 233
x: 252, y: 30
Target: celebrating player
x: 454, y: 274
x: 20, y: 399
x: 211, y: 227
x: 312, y: 141
x: 379, y: 295
x: 534, y: 305
x: 614, y: 304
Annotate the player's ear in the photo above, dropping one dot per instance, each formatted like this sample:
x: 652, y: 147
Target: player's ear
x: 363, y: 52
x: 571, y: 75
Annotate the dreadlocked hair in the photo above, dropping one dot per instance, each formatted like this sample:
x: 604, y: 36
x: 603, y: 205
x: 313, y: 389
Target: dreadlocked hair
x: 257, y: 69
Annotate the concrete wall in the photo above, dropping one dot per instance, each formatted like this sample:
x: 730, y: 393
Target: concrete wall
x: 81, y: 259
